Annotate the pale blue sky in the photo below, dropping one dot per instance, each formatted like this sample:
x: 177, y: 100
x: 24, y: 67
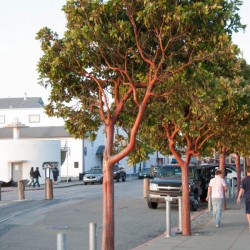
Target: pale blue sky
x: 20, y: 20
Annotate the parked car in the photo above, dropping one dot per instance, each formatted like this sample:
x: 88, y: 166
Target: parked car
x: 119, y: 173
x: 169, y: 182
x: 94, y: 175
x: 145, y: 173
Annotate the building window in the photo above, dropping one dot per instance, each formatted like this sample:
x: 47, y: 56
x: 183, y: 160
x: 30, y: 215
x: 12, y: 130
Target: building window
x: 76, y: 164
x: 34, y: 118
x: 2, y: 119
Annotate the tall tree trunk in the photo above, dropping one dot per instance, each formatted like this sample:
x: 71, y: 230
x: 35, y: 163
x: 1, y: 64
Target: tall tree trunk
x: 223, y: 169
x: 108, y: 225
x: 247, y: 161
x: 108, y: 228
x: 186, y: 228
x: 238, y: 170
x: 186, y: 223
x: 222, y: 160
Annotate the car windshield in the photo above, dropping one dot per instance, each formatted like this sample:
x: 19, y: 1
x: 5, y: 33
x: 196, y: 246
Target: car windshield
x: 95, y: 171
x: 172, y: 171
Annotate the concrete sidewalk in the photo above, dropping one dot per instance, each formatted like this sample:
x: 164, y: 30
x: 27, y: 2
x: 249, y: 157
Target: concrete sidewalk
x: 234, y: 233
x: 62, y: 184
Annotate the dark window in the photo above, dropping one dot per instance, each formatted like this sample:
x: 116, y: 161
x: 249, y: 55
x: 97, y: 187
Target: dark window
x: 76, y: 164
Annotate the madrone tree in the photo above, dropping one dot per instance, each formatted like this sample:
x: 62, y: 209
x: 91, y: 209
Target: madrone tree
x: 206, y: 109
x: 121, y: 51
x: 233, y: 135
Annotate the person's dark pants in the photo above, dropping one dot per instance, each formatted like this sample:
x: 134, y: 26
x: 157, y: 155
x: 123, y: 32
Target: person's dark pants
x: 36, y: 182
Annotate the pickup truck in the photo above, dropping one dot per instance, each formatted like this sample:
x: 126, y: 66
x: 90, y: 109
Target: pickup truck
x: 168, y: 182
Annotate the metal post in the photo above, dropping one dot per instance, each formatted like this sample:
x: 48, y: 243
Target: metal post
x: 229, y: 187
x: 233, y: 187
x: 21, y: 194
x: 168, y: 199
x: 146, y: 187
x: 67, y: 155
x: 0, y: 189
x: 61, y: 241
x: 180, y: 212
x: 92, y: 236
x: 48, y: 189
x: 210, y: 203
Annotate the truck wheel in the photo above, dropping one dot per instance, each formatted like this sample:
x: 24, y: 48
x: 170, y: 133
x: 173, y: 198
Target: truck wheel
x: 195, y: 203
x: 152, y: 205
x: 118, y: 178
x: 124, y: 177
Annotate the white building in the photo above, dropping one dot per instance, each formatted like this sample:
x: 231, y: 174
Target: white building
x: 29, y: 138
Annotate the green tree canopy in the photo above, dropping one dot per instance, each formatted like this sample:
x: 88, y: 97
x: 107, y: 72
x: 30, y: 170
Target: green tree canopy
x: 119, y: 52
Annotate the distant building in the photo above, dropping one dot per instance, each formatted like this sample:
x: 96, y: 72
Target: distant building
x: 29, y: 138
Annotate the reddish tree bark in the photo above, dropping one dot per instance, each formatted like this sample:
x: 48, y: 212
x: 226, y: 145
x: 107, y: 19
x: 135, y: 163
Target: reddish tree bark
x: 238, y: 170
x: 247, y: 161
x: 222, y: 160
x: 222, y: 168
x: 186, y: 228
x: 186, y: 223
x: 108, y: 162
x: 108, y: 207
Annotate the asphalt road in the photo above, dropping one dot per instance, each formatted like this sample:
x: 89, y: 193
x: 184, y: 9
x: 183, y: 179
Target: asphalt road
x: 35, y: 222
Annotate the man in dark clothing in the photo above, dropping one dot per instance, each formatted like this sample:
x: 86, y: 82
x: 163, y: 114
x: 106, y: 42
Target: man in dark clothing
x: 55, y: 174
x: 245, y: 191
x: 31, y: 176
x: 36, y: 177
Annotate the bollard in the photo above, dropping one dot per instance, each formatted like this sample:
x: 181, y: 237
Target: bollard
x: 0, y: 189
x: 229, y: 190
x: 233, y: 188
x: 210, y: 203
x: 48, y: 189
x: 180, y: 212
x: 92, y: 236
x: 61, y: 241
x: 168, y: 199
x: 146, y: 187
x: 21, y: 187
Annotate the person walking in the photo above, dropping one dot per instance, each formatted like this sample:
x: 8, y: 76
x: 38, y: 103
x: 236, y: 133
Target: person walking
x: 245, y: 192
x: 31, y: 177
x: 216, y: 191
x: 55, y: 174
x: 36, y: 177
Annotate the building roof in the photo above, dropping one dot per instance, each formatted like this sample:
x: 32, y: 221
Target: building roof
x: 36, y: 133
x: 21, y: 103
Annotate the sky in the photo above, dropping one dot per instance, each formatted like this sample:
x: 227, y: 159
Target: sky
x: 20, y: 20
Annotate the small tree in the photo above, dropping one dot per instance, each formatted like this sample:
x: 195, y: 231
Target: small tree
x: 208, y: 108
x: 119, y: 52
x: 233, y: 135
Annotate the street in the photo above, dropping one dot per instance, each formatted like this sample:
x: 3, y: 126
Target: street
x: 35, y: 222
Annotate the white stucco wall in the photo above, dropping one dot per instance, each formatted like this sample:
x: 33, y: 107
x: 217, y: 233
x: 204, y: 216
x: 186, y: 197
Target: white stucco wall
x: 74, y: 155
x: 26, y: 154
x: 23, y: 116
